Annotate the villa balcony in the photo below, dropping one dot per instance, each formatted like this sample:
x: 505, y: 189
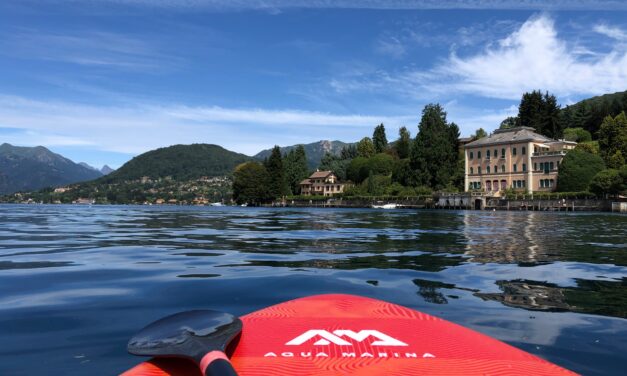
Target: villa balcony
x: 549, y: 153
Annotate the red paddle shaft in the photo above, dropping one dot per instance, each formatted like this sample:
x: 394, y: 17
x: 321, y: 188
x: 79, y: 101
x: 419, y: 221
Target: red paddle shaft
x: 216, y: 363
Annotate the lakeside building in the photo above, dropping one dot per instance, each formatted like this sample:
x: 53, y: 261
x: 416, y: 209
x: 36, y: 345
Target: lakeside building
x: 321, y: 183
x: 516, y: 158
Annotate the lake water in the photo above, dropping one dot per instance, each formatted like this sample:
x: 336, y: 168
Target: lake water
x: 77, y: 281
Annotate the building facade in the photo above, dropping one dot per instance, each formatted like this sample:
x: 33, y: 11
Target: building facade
x: 516, y: 158
x: 321, y: 183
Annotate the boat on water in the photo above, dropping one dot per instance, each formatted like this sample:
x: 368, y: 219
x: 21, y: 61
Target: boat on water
x: 384, y: 206
x: 217, y: 204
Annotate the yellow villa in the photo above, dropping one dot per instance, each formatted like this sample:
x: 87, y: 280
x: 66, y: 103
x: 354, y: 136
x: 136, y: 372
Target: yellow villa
x: 515, y: 158
x: 321, y: 183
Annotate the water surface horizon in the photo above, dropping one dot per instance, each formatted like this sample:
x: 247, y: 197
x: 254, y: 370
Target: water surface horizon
x: 76, y: 282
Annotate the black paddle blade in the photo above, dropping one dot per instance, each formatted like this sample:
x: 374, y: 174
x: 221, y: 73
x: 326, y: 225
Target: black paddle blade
x: 189, y: 334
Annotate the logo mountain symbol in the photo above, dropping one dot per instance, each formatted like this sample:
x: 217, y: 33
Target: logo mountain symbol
x: 325, y: 338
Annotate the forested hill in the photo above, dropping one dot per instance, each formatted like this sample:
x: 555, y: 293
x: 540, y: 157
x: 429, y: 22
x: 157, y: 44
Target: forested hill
x: 180, y: 162
x: 589, y: 113
x: 314, y: 151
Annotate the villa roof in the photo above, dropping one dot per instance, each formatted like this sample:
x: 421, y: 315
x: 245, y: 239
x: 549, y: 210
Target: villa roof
x: 305, y: 182
x: 506, y: 136
x: 320, y: 174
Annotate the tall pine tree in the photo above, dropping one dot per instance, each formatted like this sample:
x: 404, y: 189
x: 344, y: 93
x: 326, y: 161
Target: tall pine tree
x: 277, y: 185
x: 295, y: 167
x: 530, y: 109
x: 403, y: 144
x: 379, y: 140
x: 434, y: 154
x: 549, y: 119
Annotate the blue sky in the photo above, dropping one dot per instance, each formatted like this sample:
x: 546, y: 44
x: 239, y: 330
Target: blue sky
x: 101, y: 81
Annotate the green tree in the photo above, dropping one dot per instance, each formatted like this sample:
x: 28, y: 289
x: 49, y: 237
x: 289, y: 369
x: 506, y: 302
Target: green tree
x: 577, y: 170
x: 277, y: 185
x: 509, y: 122
x: 295, y: 166
x: 250, y: 184
x: 591, y: 147
x: 349, y: 152
x: 365, y: 148
x: 379, y: 139
x: 581, y: 116
x: 540, y: 112
x: 434, y: 154
x: 577, y: 135
x: 530, y: 109
x: 380, y: 164
x: 357, y: 170
x: 616, y: 107
x: 331, y: 162
x: 403, y: 144
x: 606, y: 182
x: 613, y: 140
x: 550, y: 117
x: 623, y: 175
x: 479, y: 133
x: 402, y: 173
x: 566, y: 118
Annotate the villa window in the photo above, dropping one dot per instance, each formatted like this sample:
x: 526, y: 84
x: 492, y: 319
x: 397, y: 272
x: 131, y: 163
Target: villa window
x: 524, y: 150
x: 541, y: 183
x: 502, y: 168
x: 551, y: 166
x: 487, y: 169
x: 524, y: 167
x: 487, y: 154
x: 513, y: 151
x: 551, y: 183
x: 471, y: 171
x: 479, y: 154
x: 515, y: 166
x: 479, y: 170
x: 535, y: 167
x: 471, y: 153
x: 496, y: 153
x: 503, y: 153
x: 488, y: 185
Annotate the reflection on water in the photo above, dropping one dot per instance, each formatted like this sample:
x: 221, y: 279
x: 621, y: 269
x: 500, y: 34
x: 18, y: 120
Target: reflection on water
x: 76, y: 282
x: 597, y: 297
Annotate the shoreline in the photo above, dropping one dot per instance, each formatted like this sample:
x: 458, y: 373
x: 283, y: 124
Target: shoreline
x: 550, y: 205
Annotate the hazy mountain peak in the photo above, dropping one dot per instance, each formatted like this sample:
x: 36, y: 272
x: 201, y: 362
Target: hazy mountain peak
x: 106, y: 170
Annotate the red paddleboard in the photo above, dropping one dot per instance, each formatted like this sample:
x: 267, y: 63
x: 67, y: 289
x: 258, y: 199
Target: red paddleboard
x: 346, y: 334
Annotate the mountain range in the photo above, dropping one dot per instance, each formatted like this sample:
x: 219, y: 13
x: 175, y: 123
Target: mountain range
x: 33, y: 168
x: 314, y: 151
x: 29, y: 169
x: 105, y: 170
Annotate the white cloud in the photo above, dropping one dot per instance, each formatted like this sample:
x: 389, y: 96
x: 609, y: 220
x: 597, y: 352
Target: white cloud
x: 390, y: 46
x: 612, y: 32
x: 532, y: 57
x: 143, y: 127
x: 88, y: 48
